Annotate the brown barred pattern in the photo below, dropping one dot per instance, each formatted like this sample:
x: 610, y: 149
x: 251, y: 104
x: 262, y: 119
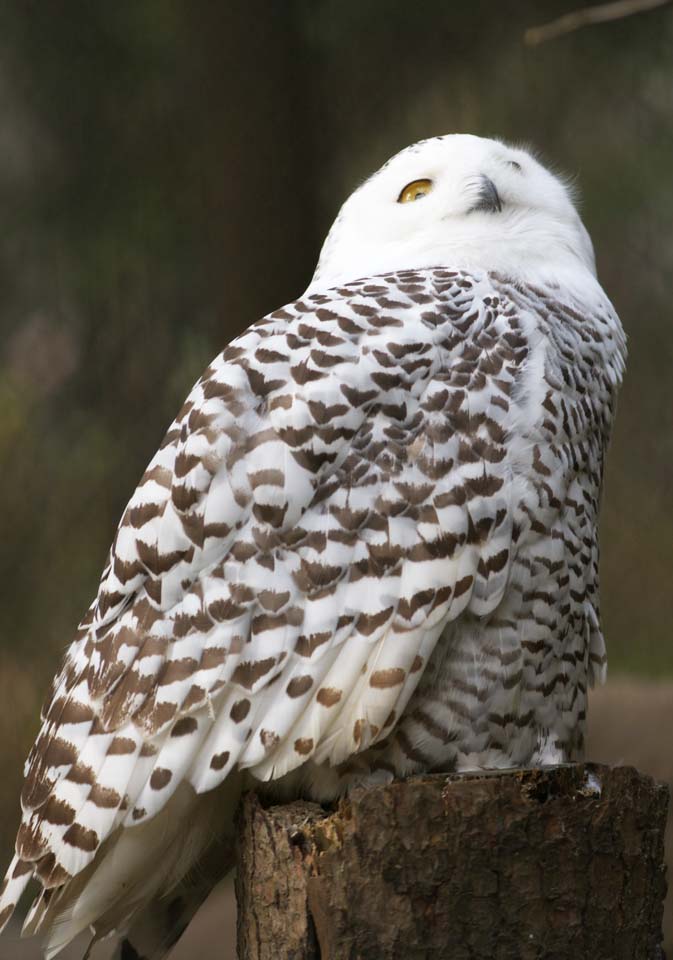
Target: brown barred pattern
x: 367, y: 545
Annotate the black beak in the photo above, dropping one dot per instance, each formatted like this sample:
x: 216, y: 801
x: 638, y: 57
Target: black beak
x: 489, y: 198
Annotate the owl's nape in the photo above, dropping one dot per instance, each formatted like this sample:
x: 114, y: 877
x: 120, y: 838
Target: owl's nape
x: 367, y: 547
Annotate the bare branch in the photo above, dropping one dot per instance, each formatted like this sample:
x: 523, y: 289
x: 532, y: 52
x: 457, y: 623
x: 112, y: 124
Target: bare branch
x: 602, y: 13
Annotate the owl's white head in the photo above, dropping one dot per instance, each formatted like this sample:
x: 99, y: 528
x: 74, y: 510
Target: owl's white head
x: 463, y: 202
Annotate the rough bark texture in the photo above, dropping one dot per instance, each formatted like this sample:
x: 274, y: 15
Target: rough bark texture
x: 564, y: 863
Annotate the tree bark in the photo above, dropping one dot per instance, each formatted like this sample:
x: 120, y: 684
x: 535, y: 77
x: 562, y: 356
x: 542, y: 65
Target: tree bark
x: 562, y: 863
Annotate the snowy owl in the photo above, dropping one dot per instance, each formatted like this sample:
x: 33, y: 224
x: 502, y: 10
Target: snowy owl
x: 366, y: 548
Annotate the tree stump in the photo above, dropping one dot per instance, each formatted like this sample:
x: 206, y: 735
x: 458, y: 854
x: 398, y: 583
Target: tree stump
x: 563, y: 863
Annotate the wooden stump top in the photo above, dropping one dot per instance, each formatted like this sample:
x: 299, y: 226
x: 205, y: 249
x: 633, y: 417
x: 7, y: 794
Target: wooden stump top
x: 556, y: 863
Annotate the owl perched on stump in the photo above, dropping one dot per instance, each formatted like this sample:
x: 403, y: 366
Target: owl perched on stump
x: 366, y: 548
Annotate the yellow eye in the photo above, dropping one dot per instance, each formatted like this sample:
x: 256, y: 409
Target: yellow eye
x: 414, y: 191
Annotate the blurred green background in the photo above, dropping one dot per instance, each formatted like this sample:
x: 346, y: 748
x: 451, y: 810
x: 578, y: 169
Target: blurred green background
x: 168, y: 170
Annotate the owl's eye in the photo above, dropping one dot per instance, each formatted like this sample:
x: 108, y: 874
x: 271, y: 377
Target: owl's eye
x: 414, y: 191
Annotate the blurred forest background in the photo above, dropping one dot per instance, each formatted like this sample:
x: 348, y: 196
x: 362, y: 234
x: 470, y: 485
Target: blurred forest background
x: 168, y: 170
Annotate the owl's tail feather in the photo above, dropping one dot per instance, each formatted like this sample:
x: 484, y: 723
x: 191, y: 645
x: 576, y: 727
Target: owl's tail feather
x: 15, y: 882
x: 145, y: 883
x: 161, y: 922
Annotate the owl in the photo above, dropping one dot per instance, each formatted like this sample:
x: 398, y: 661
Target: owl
x: 366, y: 548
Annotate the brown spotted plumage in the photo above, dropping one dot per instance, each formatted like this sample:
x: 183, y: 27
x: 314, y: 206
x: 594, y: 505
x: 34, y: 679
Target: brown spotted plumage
x: 366, y: 547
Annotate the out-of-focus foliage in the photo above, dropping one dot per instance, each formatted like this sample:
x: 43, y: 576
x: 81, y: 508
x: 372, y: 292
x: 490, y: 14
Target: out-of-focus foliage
x: 167, y: 172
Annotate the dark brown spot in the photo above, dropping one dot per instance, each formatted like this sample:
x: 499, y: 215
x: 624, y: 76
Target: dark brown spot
x: 184, y: 463
x: 284, y: 402
x: 538, y: 464
x: 156, y: 715
x: 260, y: 385
x: 494, y: 564
x: 107, y: 601
x: 388, y: 381
x: 349, y: 519
x: 128, y: 571
x: 58, y: 812
x: 298, y: 686
x: 268, y: 513
x: 407, y: 608
x: 80, y: 773
x: 328, y: 696
x: 296, y: 437
x: 414, y: 493
x: 214, y: 389
x: 182, y: 625
x: 160, y: 475
x: 51, y: 873
x: 21, y: 869
x: 198, y: 420
x: 213, y: 657
x: 268, y: 621
x: 382, y: 679
x: 59, y: 753
x: 157, y: 562
x: 358, y: 730
x: 160, y: 778
x: 30, y: 844
x: 270, y: 477
x: 121, y: 745
x: 221, y: 610
x: 152, y: 647
x: 219, y: 530
x: 302, y: 373
x: 195, y: 696
x: 303, y: 745
x: 104, y: 797
x: 249, y: 672
x: 153, y: 588
x: 240, y: 710
x: 313, y: 460
x: 368, y: 623
x: 305, y: 646
x: 184, y: 726
x: 219, y: 760
x: 357, y: 398
x: 78, y: 836
x: 269, y: 356
x: 177, y: 670
x: 462, y: 586
x: 74, y: 712
x: 273, y: 601
x: 316, y: 575
x: 138, y: 516
x: 138, y: 813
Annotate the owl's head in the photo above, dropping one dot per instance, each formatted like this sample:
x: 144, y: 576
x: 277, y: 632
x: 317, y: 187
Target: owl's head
x: 458, y: 201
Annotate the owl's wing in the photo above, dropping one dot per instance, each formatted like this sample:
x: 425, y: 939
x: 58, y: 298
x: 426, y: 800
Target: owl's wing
x: 335, y: 489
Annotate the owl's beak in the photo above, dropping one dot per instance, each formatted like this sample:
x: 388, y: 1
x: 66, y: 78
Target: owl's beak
x: 489, y: 198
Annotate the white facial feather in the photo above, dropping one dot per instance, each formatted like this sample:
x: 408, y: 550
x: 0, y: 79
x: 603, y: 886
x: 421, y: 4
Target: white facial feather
x: 537, y: 233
